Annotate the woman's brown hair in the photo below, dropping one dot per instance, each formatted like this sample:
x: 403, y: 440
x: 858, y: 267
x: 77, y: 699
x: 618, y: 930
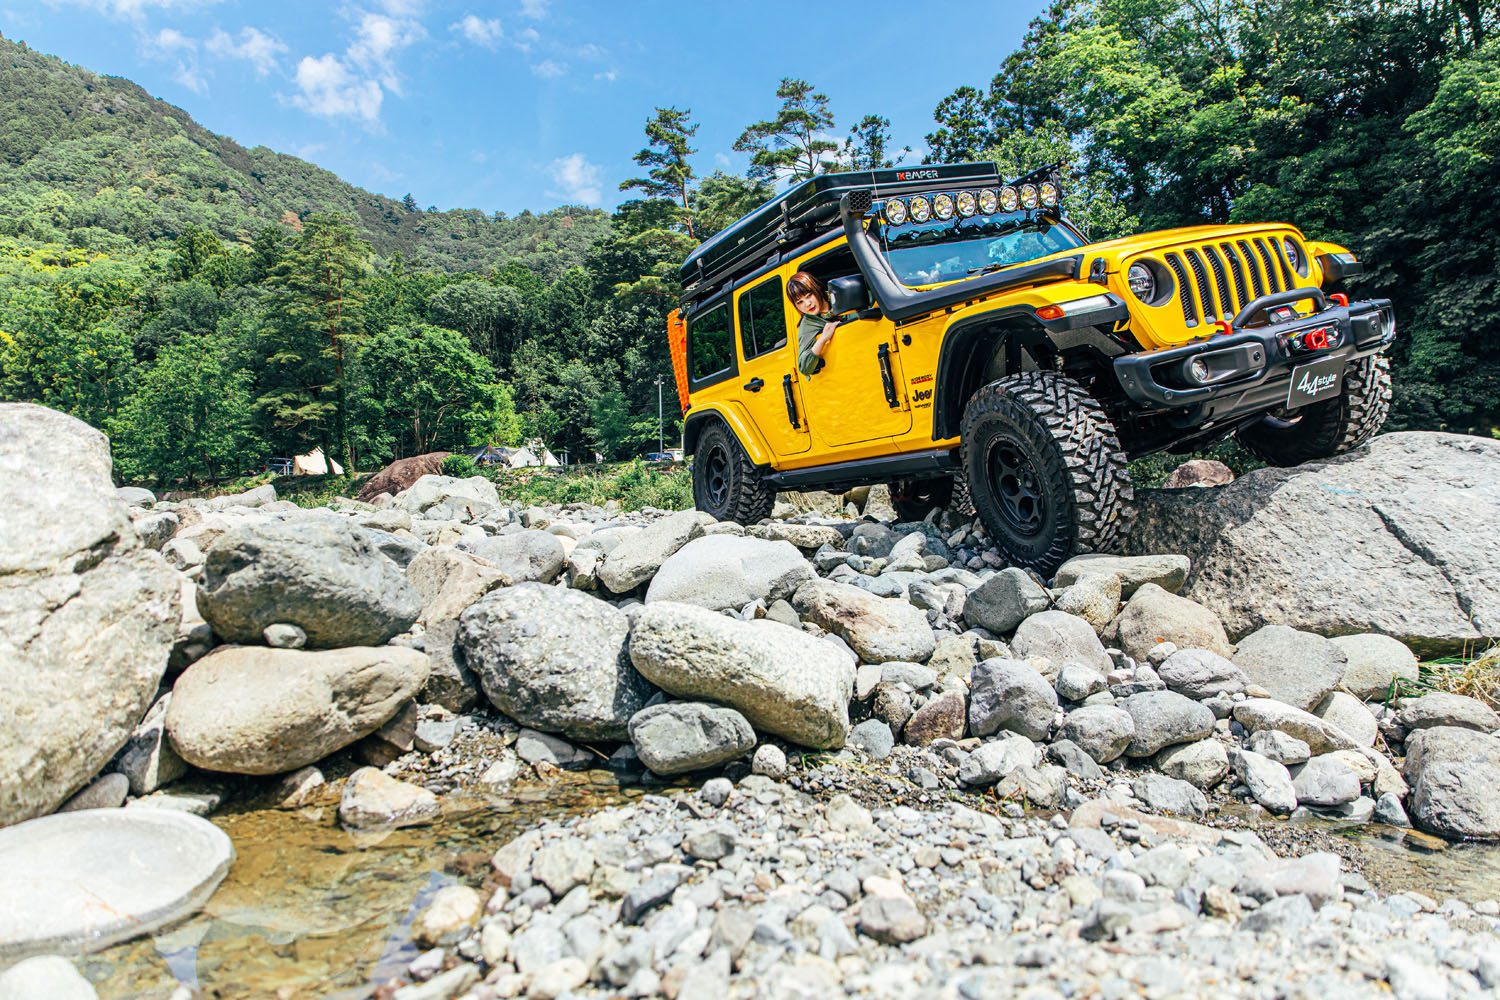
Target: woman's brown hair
x: 803, y: 283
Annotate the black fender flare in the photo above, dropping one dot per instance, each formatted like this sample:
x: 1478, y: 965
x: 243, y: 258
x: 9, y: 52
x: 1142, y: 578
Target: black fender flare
x: 976, y: 337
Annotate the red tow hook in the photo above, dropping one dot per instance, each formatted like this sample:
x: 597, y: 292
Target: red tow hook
x: 1224, y: 327
x: 1340, y: 298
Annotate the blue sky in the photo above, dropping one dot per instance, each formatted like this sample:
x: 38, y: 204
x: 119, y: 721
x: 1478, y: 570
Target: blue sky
x: 523, y: 103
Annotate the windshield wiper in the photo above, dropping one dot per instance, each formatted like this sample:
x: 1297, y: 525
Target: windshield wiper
x: 986, y: 269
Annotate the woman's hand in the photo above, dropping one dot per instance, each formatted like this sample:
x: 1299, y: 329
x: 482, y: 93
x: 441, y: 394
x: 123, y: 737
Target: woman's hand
x: 824, y: 339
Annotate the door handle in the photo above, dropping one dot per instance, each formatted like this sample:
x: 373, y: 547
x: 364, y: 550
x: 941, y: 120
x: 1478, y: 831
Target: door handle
x: 791, y: 401
x: 754, y: 385
x: 887, y: 380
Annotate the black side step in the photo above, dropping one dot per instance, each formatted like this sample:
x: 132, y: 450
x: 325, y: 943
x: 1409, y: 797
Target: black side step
x: 907, y: 465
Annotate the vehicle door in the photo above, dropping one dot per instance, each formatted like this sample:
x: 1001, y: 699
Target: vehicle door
x: 768, y: 367
x: 859, y: 393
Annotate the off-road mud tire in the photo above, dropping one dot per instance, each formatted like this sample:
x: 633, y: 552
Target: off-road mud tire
x: 1332, y: 427
x: 726, y: 483
x: 961, y: 503
x: 1045, y: 470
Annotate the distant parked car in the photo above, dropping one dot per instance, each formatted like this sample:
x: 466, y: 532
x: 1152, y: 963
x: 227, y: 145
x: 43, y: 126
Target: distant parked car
x: 658, y: 456
x: 280, y: 466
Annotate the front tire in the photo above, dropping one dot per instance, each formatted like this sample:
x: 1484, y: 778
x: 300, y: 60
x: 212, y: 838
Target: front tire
x: 1334, y: 426
x: 1045, y: 470
x: 726, y: 483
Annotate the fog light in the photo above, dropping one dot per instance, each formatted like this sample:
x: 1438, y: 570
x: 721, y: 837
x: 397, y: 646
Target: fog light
x: 1198, y: 371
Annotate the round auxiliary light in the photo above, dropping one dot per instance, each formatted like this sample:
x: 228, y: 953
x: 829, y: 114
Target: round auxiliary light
x: 989, y: 204
x: 966, y: 202
x: 1142, y: 282
x: 921, y: 210
x: 1049, y: 193
x: 1010, y: 199
x: 942, y: 206
x: 895, y: 211
x: 1199, y: 370
x: 1029, y: 196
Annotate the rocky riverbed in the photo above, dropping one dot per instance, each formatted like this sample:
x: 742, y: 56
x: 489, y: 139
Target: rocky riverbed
x: 856, y: 755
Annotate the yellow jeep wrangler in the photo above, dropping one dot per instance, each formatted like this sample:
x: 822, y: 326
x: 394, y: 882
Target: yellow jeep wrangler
x: 984, y: 338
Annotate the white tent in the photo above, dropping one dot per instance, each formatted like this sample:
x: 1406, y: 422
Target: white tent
x: 314, y: 464
x: 522, y: 458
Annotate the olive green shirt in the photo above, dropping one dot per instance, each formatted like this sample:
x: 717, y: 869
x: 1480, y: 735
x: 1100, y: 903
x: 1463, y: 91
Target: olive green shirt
x: 807, y: 335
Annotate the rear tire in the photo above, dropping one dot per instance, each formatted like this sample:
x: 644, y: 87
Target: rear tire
x: 726, y: 483
x: 1334, y: 426
x: 1045, y: 470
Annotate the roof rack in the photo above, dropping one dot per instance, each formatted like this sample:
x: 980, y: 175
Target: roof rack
x: 804, y: 212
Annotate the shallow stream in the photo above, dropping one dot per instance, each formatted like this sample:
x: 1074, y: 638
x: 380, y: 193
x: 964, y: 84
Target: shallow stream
x: 309, y: 910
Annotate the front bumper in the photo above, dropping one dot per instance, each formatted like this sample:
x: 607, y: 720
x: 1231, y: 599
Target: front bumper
x: 1250, y: 367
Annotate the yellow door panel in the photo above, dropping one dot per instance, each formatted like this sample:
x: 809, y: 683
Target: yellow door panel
x: 768, y: 383
x: 859, y: 394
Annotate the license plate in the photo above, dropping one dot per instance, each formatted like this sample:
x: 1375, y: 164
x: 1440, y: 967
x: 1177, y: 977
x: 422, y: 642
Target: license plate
x: 1315, y: 382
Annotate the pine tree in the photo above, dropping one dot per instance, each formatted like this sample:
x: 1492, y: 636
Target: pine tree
x: 790, y: 143
x: 666, y: 154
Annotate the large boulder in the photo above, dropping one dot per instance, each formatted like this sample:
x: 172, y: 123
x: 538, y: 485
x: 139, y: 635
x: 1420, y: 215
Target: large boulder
x: 1400, y: 537
x: 401, y: 474
x: 529, y: 555
x: 554, y: 659
x: 324, y: 576
x: 1442, y: 708
x: 1101, y: 731
x: 879, y: 629
x: 1200, y: 674
x: 1455, y: 781
x: 1166, y: 571
x: 88, y: 615
x: 475, y: 493
x: 1163, y: 719
x: 1004, y: 601
x: 1375, y: 663
x: 1153, y: 616
x: 1010, y: 695
x: 1061, y: 638
x: 637, y: 558
x: 256, y: 710
x: 1321, y: 736
x: 449, y: 581
x: 683, y: 736
x: 730, y: 571
x: 783, y: 680
x: 1298, y: 668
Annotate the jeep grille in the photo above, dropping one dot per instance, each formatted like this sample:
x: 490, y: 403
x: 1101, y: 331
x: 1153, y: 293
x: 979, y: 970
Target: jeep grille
x: 1212, y: 277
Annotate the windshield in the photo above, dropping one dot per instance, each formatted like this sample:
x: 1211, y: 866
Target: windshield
x: 948, y: 251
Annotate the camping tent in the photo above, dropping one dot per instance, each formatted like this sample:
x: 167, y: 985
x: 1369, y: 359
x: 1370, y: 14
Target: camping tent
x: 314, y: 464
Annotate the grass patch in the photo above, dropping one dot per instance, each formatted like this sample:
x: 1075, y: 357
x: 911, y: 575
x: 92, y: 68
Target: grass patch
x: 632, y: 485
x: 1477, y: 677
x: 1150, y: 472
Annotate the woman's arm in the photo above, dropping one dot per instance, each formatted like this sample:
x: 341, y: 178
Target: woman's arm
x: 820, y: 346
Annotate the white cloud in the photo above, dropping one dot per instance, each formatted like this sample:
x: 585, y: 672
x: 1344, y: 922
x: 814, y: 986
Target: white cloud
x: 590, y: 51
x: 170, y: 40
x: 188, y: 75
x: 526, y: 39
x: 608, y: 76
x: 256, y: 47
x: 378, y: 39
x: 402, y: 8
x: 536, y: 9
x: 480, y: 31
x: 578, y: 178
x: 134, y: 10
x: 330, y: 89
x: 722, y: 160
x: 547, y: 69
x: 172, y: 45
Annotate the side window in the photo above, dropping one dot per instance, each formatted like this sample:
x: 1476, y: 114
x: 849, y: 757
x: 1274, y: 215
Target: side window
x: 710, y: 343
x: 762, y: 312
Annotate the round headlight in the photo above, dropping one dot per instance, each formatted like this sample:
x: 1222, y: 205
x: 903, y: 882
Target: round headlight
x: 1142, y: 282
x: 921, y: 211
x: 989, y: 204
x: 966, y: 203
x: 895, y: 211
x: 1010, y: 199
x: 1049, y: 193
x: 942, y: 206
x: 1294, y: 256
x: 1029, y: 197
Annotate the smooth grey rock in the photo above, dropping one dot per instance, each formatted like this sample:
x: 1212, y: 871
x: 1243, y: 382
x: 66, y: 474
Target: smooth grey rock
x: 554, y: 659
x: 995, y: 760
x: 88, y: 615
x: 449, y: 581
x: 66, y: 889
x: 1094, y: 597
x: 259, y: 496
x: 373, y: 800
x: 1163, y: 719
x: 877, y: 629
x: 1325, y: 781
x: 433, y: 490
x: 1101, y: 731
x: 1011, y: 695
x: 1153, y: 616
x: 891, y: 919
x: 254, y: 710
x: 683, y: 736
x: 1076, y: 682
x: 784, y: 681
x: 1004, y: 601
x: 1073, y: 758
x: 1061, y: 638
x: 1256, y: 714
x: 1455, y: 781
x: 523, y: 555
x: 1202, y: 764
x: 323, y: 576
x: 544, y: 748
x: 1200, y: 674
x: 874, y: 737
x: 45, y: 977
x: 914, y: 675
x: 148, y: 760
x: 1374, y: 662
x: 284, y: 636
x: 647, y: 896
x: 1281, y: 747
x: 450, y: 682
x: 1388, y: 810
x: 1440, y: 708
x: 708, y: 845
x: 1284, y: 915
x: 1170, y: 795
x: 726, y: 571
x: 1425, y: 511
x: 107, y: 791
x: 1349, y: 714
x: 136, y: 496
x: 637, y: 559
x: 1268, y: 781
x: 155, y: 530
x: 1298, y: 668
x: 1166, y: 571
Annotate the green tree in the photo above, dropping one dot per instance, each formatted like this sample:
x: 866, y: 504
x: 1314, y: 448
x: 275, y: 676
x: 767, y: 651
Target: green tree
x: 868, y: 145
x: 791, y: 144
x: 670, y: 176
x: 963, y: 127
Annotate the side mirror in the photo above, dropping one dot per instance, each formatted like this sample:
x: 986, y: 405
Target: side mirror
x: 848, y: 294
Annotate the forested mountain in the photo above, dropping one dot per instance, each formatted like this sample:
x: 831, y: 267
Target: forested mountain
x: 95, y: 161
